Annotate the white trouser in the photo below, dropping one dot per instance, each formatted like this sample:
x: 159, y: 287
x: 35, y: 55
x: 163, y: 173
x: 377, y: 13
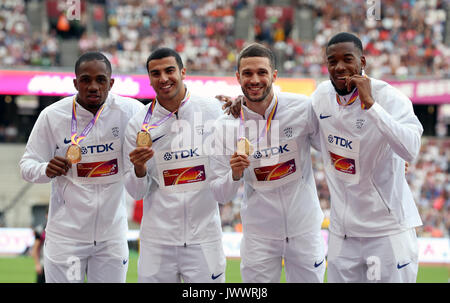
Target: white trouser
x: 69, y: 262
x: 304, y: 259
x: 392, y: 258
x: 195, y: 263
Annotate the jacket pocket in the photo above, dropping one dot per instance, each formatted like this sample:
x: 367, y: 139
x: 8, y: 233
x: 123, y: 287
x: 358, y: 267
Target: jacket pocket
x: 383, y: 200
x: 63, y: 191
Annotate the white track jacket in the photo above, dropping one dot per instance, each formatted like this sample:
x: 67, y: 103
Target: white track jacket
x: 89, y: 204
x: 364, y: 154
x: 280, y: 197
x: 179, y: 208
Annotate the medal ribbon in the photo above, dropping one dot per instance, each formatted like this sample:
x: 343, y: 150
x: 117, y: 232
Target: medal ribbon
x: 352, y: 98
x: 145, y: 125
x: 268, y: 122
x: 75, y: 139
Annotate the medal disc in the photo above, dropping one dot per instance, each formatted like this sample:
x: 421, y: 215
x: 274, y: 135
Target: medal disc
x: 244, y: 147
x: 73, y: 154
x: 143, y: 139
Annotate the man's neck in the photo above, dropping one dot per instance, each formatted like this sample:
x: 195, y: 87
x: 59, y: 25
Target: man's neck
x: 92, y: 109
x: 342, y: 92
x: 172, y: 104
x: 261, y: 106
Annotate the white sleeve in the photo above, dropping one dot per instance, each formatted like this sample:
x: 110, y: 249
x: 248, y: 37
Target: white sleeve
x: 315, y: 133
x: 400, y: 126
x: 222, y: 185
x: 40, y: 149
x: 136, y: 187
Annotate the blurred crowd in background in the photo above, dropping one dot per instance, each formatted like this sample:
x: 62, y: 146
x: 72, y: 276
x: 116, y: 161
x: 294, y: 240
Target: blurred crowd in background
x: 19, y: 45
x: 430, y: 184
x: 407, y: 42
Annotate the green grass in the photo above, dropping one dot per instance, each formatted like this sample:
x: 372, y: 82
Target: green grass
x: 21, y: 270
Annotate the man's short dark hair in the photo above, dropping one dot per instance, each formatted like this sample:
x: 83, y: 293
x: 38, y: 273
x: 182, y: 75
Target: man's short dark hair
x: 164, y: 52
x: 346, y: 37
x: 257, y: 50
x: 90, y: 56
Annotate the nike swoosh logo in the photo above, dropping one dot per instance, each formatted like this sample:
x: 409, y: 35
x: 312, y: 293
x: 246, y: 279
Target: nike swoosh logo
x: 318, y: 264
x: 67, y: 141
x: 124, y: 262
x: 215, y: 277
x: 401, y: 266
x: 154, y: 140
x: 324, y: 117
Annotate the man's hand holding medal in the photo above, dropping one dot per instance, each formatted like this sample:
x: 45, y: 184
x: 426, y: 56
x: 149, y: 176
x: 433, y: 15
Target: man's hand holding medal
x: 139, y: 157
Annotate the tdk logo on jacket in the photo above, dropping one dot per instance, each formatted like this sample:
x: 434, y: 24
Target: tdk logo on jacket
x: 181, y: 154
x: 94, y: 149
x: 271, y: 151
x: 340, y: 141
x: 97, y: 149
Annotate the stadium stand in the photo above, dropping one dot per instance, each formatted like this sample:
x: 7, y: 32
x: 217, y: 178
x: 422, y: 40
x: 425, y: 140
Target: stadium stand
x: 410, y: 41
x: 429, y: 180
x: 20, y: 43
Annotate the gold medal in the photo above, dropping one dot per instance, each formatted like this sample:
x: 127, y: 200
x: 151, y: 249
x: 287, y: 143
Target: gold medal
x: 244, y: 147
x: 143, y: 139
x: 73, y: 154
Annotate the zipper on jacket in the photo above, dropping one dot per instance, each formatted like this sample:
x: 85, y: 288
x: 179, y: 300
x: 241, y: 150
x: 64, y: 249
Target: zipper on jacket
x: 96, y: 212
x: 344, y: 215
x: 96, y: 198
x: 284, y: 216
x: 339, y: 118
x: 185, y: 221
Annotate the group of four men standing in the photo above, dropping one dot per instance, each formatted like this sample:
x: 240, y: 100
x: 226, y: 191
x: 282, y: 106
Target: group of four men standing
x: 364, y: 128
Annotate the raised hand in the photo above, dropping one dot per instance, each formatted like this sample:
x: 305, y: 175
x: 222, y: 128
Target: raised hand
x: 362, y: 83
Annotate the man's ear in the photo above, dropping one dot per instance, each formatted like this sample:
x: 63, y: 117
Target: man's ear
x: 75, y: 84
x: 363, y: 62
x: 111, y: 83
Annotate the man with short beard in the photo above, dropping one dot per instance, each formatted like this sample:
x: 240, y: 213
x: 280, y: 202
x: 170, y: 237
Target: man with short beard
x: 280, y: 211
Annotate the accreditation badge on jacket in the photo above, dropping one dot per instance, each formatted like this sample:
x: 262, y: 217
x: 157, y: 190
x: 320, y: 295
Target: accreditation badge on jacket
x: 101, y: 163
x: 275, y: 165
x: 343, y: 153
x: 182, y: 170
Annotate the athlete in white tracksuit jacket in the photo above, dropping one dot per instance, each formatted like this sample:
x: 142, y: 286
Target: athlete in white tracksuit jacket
x: 280, y: 211
x: 364, y: 147
x: 181, y: 234
x: 87, y: 219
